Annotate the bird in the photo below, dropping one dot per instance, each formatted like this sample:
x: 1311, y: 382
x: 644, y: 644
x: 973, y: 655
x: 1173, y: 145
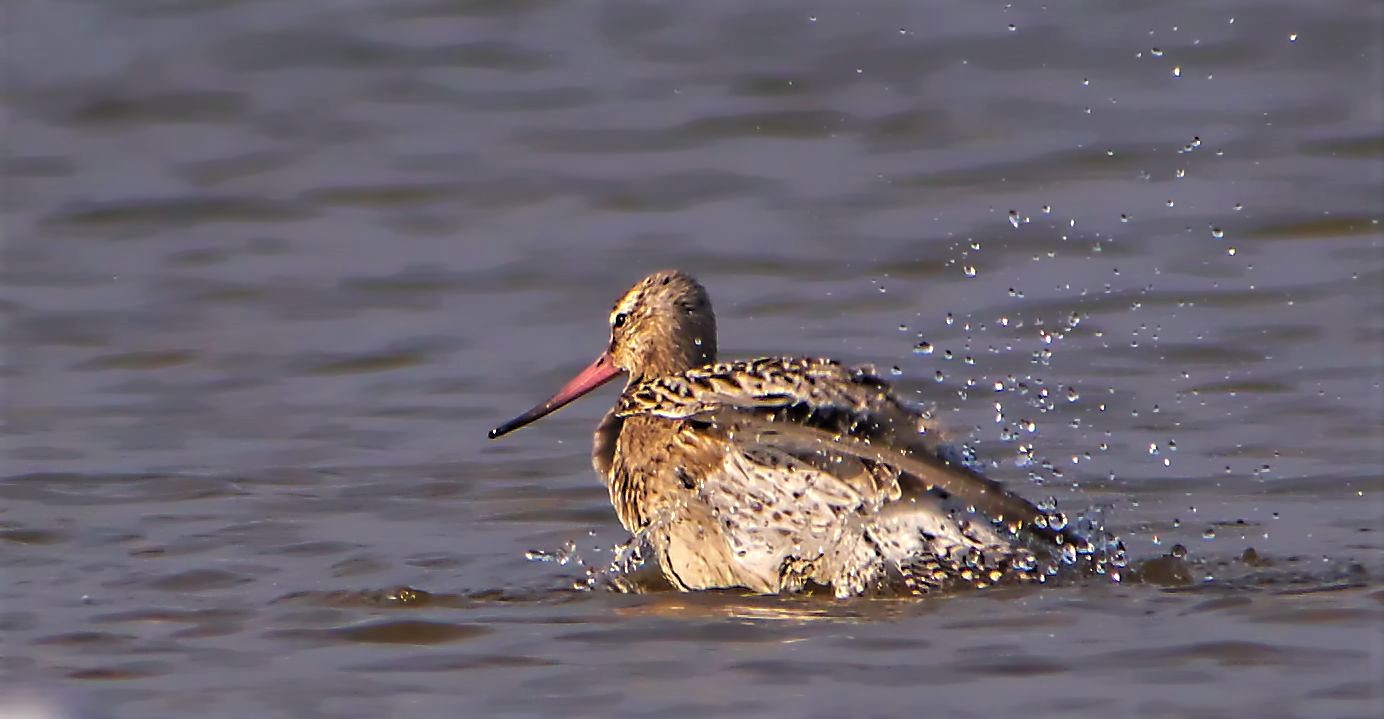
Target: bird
x: 781, y: 475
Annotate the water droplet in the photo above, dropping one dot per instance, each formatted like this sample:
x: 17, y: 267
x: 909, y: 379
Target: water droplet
x: 969, y: 271
x: 939, y: 376
x: 1292, y: 37
x: 1014, y: 218
x: 1072, y: 394
x: 1013, y: 27
x: 1177, y: 71
x: 1156, y: 52
x: 923, y: 348
x: 1210, y: 533
x: 1217, y: 232
x: 896, y: 370
x: 1178, y: 551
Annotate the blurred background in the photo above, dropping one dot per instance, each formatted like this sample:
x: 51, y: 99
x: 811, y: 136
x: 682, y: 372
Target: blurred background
x: 270, y: 270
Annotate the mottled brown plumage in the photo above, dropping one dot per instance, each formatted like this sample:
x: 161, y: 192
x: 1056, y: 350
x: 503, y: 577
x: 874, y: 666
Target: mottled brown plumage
x: 776, y: 473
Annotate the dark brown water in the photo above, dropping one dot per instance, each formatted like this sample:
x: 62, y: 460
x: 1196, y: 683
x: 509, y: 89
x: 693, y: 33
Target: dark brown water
x: 271, y: 269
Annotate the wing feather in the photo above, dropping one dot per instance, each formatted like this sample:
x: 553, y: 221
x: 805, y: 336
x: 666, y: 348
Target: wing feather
x: 822, y: 413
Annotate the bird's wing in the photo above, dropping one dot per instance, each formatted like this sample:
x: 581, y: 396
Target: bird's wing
x: 792, y: 510
x: 823, y: 414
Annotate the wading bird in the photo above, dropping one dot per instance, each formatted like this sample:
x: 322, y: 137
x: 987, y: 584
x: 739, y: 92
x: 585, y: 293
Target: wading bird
x: 780, y: 473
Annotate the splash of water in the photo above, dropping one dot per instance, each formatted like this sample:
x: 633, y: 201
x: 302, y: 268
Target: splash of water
x: 626, y: 558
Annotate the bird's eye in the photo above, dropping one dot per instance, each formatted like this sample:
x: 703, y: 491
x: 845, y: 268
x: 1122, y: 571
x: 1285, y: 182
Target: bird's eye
x: 619, y: 320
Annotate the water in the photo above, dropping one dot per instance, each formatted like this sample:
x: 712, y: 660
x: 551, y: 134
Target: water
x: 270, y: 270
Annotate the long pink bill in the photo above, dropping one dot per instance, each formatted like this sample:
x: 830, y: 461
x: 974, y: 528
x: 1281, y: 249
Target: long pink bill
x: 601, y: 371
